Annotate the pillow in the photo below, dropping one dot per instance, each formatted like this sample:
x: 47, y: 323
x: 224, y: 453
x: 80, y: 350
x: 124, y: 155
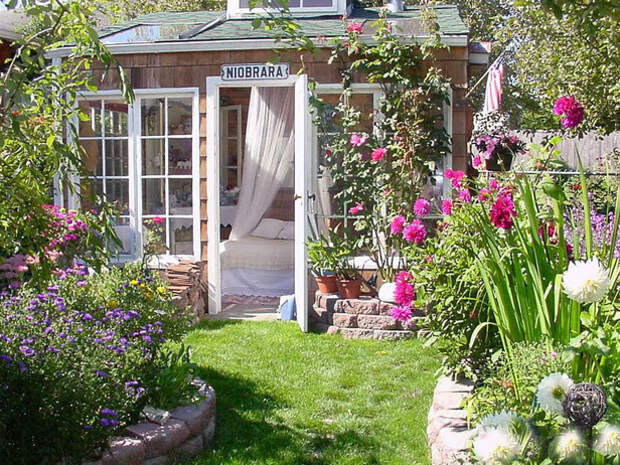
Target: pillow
x: 288, y: 232
x: 268, y: 228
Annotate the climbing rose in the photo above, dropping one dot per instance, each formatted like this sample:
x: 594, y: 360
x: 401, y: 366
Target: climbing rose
x: 355, y: 27
x: 398, y: 224
x: 404, y: 293
x: 570, y: 110
x: 378, y: 154
x: 455, y: 177
x: 477, y: 161
x: 503, y: 211
x: 401, y: 313
x: 446, y: 207
x: 421, y: 207
x: 357, y: 140
x: 356, y: 209
x: 415, y: 232
x: 158, y: 220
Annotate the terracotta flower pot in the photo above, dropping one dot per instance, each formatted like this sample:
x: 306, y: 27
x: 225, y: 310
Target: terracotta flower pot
x: 327, y: 284
x: 349, y: 288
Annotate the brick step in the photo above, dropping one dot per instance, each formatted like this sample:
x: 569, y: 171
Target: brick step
x: 362, y: 333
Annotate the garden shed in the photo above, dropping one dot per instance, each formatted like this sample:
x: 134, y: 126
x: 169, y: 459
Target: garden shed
x: 219, y: 142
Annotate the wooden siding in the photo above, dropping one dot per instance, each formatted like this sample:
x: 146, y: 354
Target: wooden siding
x: 190, y: 69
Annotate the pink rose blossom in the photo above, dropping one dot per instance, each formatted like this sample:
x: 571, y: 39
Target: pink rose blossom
x: 378, y: 153
x: 356, y: 209
x: 401, y: 313
x: 421, y: 207
x: 503, y: 211
x: 415, y: 232
x: 570, y: 110
x: 158, y: 220
x: 357, y: 140
x: 398, y: 224
x: 455, y: 177
x: 355, y: 27
x: 446, y: 207
x: 464, y: 195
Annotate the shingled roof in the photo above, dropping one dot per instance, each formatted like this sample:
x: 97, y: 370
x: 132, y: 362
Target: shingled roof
x: 190, y: 26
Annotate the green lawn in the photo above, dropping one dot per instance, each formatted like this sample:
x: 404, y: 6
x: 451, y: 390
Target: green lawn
x: 284, y: 397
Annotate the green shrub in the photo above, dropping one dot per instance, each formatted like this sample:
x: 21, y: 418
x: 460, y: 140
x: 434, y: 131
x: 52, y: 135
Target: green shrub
x: 79, y: 361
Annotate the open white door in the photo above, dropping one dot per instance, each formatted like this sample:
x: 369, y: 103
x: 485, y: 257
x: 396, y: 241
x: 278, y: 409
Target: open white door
x: 302, y: 175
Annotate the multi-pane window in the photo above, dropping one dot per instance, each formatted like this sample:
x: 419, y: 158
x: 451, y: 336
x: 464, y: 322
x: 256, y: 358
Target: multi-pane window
x: 166, y: 177
x: 105, y: 139
x: 141, y: 158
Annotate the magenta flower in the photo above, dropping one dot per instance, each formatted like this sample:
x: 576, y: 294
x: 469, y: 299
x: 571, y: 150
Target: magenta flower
x: 464, y: 195
x: 158, y: 220
x: 378, y: 153
x: 477, y: 161
x: 398, y: 224
x: 446, y: 207
x: 404, y: 292
x: 421, y: 207
x: 455, y: 177
x: 357, y: 140
x: 415, y: 232
x: 356, y: 209
x: 401, y: 313
x: 503, y: 211
x: 355, y: 27
x: 570, y: 110
x: 484, y: 194
x: 493, y: 184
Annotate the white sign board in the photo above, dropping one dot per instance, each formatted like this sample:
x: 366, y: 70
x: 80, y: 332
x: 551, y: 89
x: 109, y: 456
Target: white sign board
x: 254, y: 72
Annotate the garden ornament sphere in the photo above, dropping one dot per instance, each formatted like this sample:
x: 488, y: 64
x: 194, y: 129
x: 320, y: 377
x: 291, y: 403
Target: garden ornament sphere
x: 585, y: 404
x: 386, y: 292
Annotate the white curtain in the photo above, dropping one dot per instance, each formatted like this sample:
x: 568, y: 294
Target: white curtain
x: 268, y: 155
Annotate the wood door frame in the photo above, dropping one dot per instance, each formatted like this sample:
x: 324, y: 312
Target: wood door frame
x: 214, y: 84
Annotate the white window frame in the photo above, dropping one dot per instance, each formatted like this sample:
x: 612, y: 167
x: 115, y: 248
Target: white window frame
x: 235, y: 11
x: 135, y: 166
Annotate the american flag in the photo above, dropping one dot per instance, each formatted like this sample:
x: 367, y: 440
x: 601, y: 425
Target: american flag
x: 493, y: 93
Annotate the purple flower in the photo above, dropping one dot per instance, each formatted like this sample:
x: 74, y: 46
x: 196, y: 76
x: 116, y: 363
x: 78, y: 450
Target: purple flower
x: 108, y: 412
x: 81, y: 284
x: 101, y: 374
x: 27, y: 351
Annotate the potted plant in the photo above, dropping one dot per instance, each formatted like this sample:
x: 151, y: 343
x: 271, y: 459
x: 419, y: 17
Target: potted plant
x: 494, y: 148
x: 349, y: 278
x: 323, y: 264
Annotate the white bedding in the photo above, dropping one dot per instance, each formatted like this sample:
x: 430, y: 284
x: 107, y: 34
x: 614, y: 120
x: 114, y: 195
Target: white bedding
x: 258, y: 254
x: 246, y: 281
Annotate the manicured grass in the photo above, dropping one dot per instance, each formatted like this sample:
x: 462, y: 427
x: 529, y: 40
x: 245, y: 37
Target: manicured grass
x: 284, y: 397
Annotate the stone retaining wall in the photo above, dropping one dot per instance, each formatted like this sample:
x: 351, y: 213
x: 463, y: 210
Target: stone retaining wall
x: 182, y: 432
x: 365, y: 317
x: 447, y: 430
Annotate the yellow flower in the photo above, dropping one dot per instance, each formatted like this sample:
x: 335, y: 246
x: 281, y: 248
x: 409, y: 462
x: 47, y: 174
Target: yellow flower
x: 142, y: 285
x: 112, y: 304
x: 161, y: 289
x: 148, y: 295
x: 133, y: 282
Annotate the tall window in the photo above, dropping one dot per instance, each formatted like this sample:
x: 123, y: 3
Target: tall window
x: 105, y: 138
x: 142, y: 158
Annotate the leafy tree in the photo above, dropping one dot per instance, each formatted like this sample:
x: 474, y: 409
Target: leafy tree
x: 37, y: 97
x: 127, y: 9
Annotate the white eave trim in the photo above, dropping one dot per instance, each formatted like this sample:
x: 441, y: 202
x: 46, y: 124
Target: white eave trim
x: 222, y: 45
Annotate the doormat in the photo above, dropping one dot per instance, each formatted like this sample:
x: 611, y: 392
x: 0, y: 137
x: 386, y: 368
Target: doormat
x: 228, y: 299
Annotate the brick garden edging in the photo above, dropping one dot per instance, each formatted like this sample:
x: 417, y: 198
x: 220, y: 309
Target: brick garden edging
x: 185, y: 433
x: 447, y: 430
x: 365, y: 317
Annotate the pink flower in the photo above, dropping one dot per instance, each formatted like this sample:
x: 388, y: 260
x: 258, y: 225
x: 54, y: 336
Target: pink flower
x: 421, y: 207
x: 477, y: 161
x: 415, y: 232
x: 455, y: 176
x: 357, y: 140
x: 355, y: 27
x: 356, y: 209
x: 404, y: 292
x: 158, y: 220
x: 401, y: 313
x: 503, y: 211
x: 464, y: 195
x: 484, y: 194
x: 446, y: 207
x: 570, y: 110
x: 378, y: 153
x: 493, y: 184
x: 397, y: 224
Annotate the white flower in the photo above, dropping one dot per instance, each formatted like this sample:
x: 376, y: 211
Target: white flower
x: 586, y: 282
x: 552, y: 390
x: 608, y: 441
x: 568, y: 445
x: 503, y: 420
x: 495, y: 446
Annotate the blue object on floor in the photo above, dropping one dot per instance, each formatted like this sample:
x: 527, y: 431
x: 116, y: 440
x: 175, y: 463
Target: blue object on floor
x: 288, y: 309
